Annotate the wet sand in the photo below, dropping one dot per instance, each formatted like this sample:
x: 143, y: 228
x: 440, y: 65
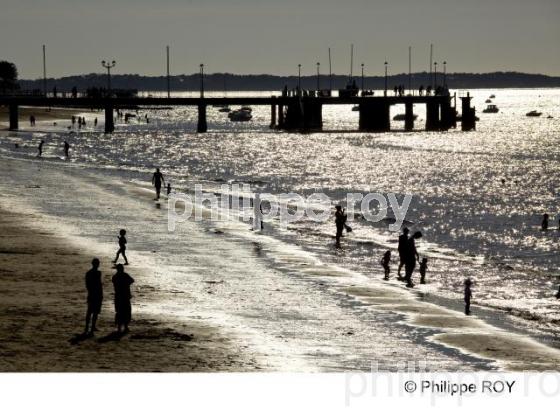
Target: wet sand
x: 42, y: 309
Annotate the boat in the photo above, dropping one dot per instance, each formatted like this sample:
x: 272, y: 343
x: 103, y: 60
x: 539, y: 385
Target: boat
x: 533, y: 113
x: 240, y: 115
x: 491, y: 109
x: 493, y: 96
x: 488, y: 101
x: 402, y: 117
x: 225, y: 108
x: 246, y: 108
x: 356, y: 108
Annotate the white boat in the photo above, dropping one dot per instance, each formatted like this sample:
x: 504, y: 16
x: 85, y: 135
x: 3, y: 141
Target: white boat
x: 491, y: 109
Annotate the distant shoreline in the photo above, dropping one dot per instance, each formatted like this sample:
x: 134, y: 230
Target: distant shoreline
x: 267, y: 82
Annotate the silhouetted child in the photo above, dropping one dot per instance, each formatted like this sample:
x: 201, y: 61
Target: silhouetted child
x: 385, y: 261
x: 468, y: 296
x: 423, y: 269
x: 544, y: 224
x: 123, y: 309
x: 94, y: 296
x: 168, y: 189
x: 122, y: 247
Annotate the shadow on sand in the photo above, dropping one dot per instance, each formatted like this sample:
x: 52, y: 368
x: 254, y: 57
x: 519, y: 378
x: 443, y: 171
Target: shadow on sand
x: 111, y: 337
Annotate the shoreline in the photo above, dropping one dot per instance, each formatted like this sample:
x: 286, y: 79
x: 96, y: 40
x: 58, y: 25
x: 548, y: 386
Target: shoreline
x: 447, y: 329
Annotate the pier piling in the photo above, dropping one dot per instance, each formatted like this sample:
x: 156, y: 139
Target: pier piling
x: 109, y: 120
x: 202, y: 125
x: 14, y: 117
x: 409, y: 116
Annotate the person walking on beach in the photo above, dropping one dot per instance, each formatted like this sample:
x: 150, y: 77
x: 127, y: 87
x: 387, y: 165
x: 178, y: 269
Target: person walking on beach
x: 94, y: 288
x: 339, y: 221
x: 40, y: 148
x: 32, y: 120
x: 403, y: 240
x: 468, y: 296
x: 157, y: 181
x: 122, y: 247
x: 168, y: 189
x: 423, y: 269
x: 66, y: 149
x: 544, y: 223
x: 385, y: 262
x: 123, y: 309
x: 411, y: 256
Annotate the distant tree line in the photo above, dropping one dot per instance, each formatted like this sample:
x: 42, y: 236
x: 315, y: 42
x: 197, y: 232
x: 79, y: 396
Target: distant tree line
x: 265, y: 82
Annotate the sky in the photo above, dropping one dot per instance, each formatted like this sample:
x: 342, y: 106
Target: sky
x: 265, y: 36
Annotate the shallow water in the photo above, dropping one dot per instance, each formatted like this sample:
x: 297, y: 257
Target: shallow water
x: 474, y: 225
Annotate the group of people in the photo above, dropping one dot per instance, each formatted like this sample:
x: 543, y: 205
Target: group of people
x: 42, y: 142
x: 82, y: 121
x: 121, y: 285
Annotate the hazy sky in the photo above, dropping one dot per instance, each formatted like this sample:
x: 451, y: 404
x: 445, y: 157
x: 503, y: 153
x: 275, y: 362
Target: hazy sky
x: 265, y: 36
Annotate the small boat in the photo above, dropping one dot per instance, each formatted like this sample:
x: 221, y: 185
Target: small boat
x: 224, y: 109
x: 246, y: 108
x: 488, y: 101
x: 533, y: 113
x: 240, y: 115
x: 356, y: 108
x: 491, y: 109
x: 402, y: 117
x: 493, y: 96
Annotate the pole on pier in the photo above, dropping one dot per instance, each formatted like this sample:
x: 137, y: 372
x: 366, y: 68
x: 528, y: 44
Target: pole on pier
x: 109, y: 120
x: 330, y: 71
x: 299, y: 79
x: 351, y: 63
x: 280, y: 116
x: 385, y: 92
x: 168, y: 79
x: 362, y: 78
x: 14, y: 117
x: 431, y: 60
x: 201, y: 80
x: 409, y: 116
x: 44, y: 70
x: 318, y: 78
x: 435, y: 75
x: 410, y: 69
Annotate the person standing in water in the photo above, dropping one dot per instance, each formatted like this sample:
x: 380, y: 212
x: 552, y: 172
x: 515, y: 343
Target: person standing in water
x: 411, y: 256
x: 94, y: 288
x: 558, y: 294
x: 468, y: 296
x: 66, y: 149
x: 403, y: 239
x: 123, y: 309
x: 157, y: 181
x: 385, y: 262
x: 168, y: 188
x: 40, y: 148
x: 544, y: 223
x: 122, y: 247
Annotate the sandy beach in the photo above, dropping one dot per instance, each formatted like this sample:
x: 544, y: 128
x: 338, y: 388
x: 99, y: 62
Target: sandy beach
x: 40, y: 113
x: 42, y: 308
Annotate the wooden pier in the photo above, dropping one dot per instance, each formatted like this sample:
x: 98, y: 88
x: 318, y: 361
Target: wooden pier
x: 291, y: 113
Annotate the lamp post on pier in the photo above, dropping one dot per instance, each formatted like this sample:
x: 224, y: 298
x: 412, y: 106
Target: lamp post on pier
x: 318, y: 78
x: 435, y: 76
x: 445, y: 73
x: 108, y: 66
x: 362, y: 78
x: 299, y: 79
x: 201, y: 80
x: 385, y: 92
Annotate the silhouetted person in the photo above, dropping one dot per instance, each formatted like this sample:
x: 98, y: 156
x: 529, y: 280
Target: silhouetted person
x: 558, y: 294
x: 403, y: 240
x: 95, y: 122
x: 157, y: 181
x: 468, y: 296
x: 55, y: 92
x: 123, y: 310
x: 423, y: 269
x: 94, y: 288
x: 66, y: 149
x: 339, y: 221
x: 544, y: 223
x: 122, y: 247
x: 385, y: 262
x: 40, y: 148
x: 32, y: 120
x: 73, y: 120
x: 168, y: 189
x: 411, y: 256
